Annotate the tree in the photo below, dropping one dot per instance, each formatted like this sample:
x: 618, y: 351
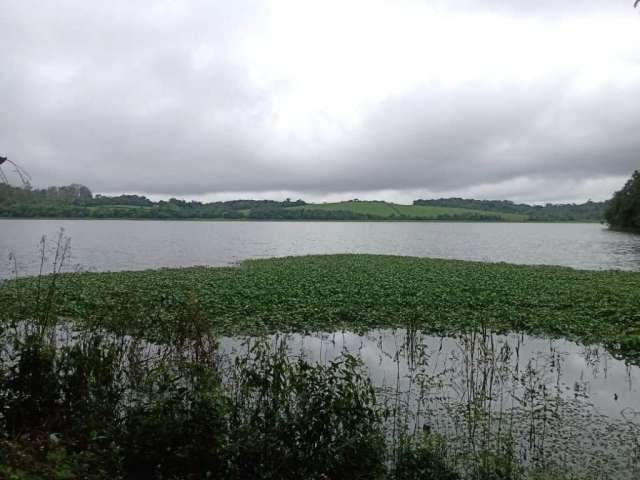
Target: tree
x: 624, y: 209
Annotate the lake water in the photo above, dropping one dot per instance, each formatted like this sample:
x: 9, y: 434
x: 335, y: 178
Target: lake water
x: 561, y: 402
x: 550, y: 401
x: 101, y: 245
x: 557, y: 400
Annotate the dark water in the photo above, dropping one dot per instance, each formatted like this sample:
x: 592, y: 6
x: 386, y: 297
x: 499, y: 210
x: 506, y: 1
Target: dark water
x: 551, y: 402
x: 561, y: 403
x: 129, y: 245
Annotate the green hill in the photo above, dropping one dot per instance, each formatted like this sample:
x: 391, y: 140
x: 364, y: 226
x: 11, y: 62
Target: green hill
x: 77, y: 201
x: 568, y: 212
x: 390, y: 211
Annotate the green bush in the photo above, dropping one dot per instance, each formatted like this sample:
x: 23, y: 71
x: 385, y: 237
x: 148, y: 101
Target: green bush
x: 422, y: 458
x: 178, y: 428
x: 297, y: 420
x: 86, y: 407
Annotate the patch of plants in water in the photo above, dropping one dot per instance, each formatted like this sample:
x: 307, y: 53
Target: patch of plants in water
x: 93, y: 405
x: 102, y: 401
x: 355, y: 292
x: 90, y: 404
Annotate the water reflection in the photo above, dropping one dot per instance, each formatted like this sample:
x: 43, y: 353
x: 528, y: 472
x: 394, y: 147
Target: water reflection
x: 546, y: 401
x: 541, y: 402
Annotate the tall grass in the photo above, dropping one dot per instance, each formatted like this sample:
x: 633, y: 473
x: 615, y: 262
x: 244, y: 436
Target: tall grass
x: 77, y: 401
x: 96, y: 403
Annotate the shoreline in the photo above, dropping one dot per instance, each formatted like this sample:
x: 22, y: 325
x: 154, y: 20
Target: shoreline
x: 590, y: 222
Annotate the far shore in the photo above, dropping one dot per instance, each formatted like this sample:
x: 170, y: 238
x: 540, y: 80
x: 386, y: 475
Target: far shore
x: 309, y: 220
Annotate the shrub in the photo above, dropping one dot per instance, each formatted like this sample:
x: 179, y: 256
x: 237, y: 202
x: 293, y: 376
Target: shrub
x: 422, y: 458
x: 292, y: 419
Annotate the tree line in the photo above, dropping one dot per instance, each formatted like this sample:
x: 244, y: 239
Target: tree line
x: 570, y: 212
x: 77, y: 201
x: 624, y: 208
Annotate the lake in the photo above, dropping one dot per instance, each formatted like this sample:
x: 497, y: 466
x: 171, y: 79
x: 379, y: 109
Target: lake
x: 100, y: 245
x: 561, y: 402
x: 550, y: 401
x: 547, y: 399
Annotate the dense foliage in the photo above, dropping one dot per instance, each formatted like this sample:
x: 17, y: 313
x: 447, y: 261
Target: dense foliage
x: 585, y: 212
x: 623, y: 212
x: 89, y: 402
x: 102, y: 407
x: 358, y: 292
x: 77, y: 201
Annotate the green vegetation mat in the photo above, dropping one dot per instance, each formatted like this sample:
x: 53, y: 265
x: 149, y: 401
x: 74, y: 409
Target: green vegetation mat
x: 356, y: 292
x: 103, y: 406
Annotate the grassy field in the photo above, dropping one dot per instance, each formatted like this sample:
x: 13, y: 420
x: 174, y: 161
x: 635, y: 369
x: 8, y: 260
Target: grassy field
x: 384, y: 210
x: 389, y: 210
x: 357, y: 292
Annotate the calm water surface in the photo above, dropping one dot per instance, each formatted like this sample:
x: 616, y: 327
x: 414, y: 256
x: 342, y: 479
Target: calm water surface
x: 561, y: 402
x: 102, y: 245
x: 550, y: 401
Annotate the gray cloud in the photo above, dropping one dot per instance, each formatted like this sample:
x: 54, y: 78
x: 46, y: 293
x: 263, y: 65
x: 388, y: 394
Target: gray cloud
x: 548, y: 6
x: 190, y: 99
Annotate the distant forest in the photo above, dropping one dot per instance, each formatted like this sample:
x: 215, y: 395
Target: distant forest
x: 567, y: 212
x: 77, y: 201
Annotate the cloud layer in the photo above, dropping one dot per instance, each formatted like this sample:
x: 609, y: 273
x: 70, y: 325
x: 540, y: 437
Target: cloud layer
x: 532, y: 101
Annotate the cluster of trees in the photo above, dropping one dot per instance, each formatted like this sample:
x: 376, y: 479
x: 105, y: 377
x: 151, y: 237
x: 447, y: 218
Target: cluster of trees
x: 588, y: 211
x: 308, y: 214
x: 623, y: 212
x: 133, y: 200
x: 276, y: 213
x: 77, y: 201
x: 471, y: 217
x: 72, y: 194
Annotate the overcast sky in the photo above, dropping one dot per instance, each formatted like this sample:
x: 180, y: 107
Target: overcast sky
x: 514, y: 99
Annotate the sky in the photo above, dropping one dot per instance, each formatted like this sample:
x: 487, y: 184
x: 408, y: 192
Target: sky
x: 531, y: 101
